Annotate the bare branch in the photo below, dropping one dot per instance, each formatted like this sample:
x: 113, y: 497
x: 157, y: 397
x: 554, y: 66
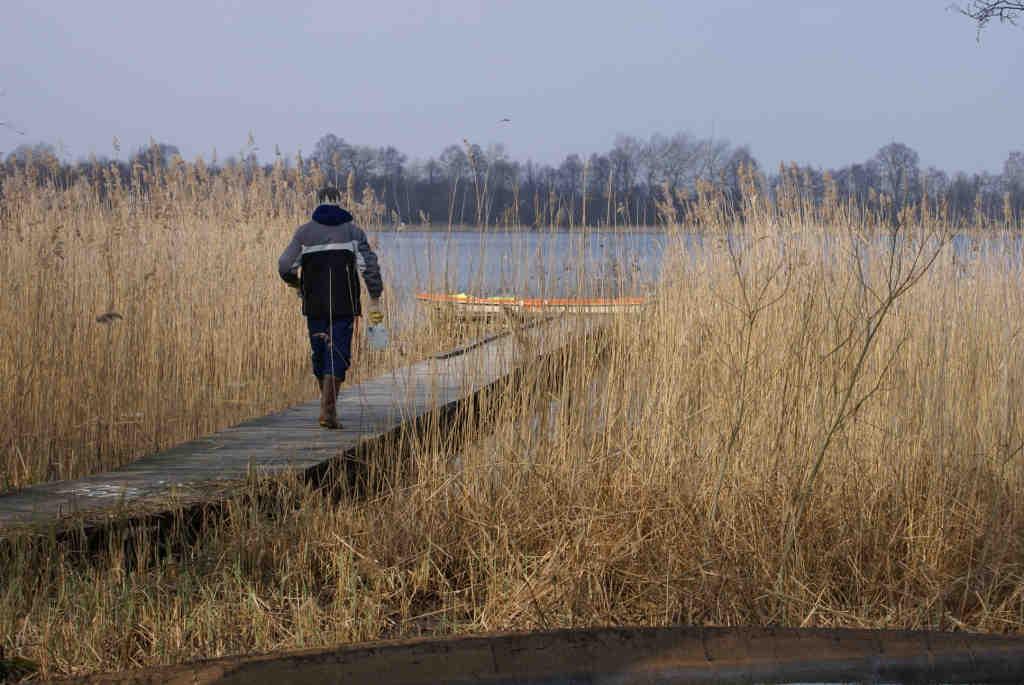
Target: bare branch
x: 982, y: 12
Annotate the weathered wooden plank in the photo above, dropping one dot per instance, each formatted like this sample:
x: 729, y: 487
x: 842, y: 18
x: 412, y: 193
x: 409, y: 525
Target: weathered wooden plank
x: 289, y: 439
x: 622, y: 655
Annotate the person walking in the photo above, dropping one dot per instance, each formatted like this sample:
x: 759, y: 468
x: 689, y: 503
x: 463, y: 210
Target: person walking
x: 321, y: 263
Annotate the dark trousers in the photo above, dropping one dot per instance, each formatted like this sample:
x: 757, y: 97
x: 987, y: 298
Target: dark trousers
x: 331, y: 346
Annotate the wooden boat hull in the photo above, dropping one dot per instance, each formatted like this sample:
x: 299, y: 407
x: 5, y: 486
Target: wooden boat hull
x: 627, y: 656
x: 468, y: 305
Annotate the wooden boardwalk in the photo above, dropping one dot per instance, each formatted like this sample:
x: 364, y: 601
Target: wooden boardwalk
x: 202, y: 470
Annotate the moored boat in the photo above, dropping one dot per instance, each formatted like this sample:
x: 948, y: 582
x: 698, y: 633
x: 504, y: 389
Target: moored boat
x: 464, y: 303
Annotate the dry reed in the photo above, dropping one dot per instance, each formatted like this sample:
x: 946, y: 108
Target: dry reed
x: 140, y: 314
x: 814, y: 425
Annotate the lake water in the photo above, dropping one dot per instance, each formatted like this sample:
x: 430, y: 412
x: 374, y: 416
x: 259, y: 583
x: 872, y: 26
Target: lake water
x: 564, y: 264
x: 524, y: 264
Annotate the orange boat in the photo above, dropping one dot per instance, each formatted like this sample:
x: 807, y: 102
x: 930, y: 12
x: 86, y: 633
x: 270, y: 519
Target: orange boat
x: 473, y: 305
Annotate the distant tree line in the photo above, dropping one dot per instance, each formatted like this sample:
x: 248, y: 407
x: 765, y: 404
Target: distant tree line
x: 628, y: 185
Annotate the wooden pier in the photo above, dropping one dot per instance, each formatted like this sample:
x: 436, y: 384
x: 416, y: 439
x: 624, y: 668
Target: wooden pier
x: 203, y: 470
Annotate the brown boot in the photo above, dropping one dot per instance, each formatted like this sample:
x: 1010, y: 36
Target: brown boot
x: 329, y: 387
x: 320, y: 389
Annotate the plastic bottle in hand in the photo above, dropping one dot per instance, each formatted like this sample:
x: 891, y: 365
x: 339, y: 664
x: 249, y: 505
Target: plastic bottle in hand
x: 377, y: 336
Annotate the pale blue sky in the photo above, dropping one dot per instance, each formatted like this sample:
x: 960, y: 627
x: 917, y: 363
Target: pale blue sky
x: 824, y: 83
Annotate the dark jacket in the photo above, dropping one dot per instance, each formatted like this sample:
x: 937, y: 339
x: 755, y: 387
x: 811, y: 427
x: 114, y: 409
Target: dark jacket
x: 323, y: 258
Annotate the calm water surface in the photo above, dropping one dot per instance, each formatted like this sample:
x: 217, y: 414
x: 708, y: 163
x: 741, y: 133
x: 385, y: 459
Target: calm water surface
x: 565, y: 264
x: 525, y: 264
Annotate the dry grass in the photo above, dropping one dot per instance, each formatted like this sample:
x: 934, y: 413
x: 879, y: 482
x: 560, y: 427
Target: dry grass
x: 136, y: 320
x: 789, y: 436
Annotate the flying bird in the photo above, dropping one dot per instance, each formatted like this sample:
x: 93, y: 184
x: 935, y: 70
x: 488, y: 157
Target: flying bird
x: 8, y: 124
x: 11, y: 126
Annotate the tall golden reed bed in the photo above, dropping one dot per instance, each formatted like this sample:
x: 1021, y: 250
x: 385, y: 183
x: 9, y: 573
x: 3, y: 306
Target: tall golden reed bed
x: 138, y: 315
x: 814, y: 425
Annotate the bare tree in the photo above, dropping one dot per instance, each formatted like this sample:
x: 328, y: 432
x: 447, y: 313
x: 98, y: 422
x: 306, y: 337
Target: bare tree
x: 1013, y: 170
x: 984, y: 11
x: 626, y: 160
x: 570, y: 174
x: 332, y: 154
x: 391, y: 165
x: 673, y: 160
x: 156, y: 154
x: 431, y: 170
x: 1013, y: 179
x: 39, y: 152
x: 480, y: 168
x: 454, y: 162
x: 739, y: 160
x: 936, y: 182
x: 362, y: 161
x: 714, y: 159
x: 900, y: 172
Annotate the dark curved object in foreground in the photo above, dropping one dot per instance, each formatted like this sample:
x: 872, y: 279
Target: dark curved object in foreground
x: 625, y: 656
